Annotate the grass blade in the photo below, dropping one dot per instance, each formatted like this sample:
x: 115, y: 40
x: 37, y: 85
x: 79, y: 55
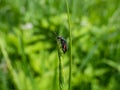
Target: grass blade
x: 70, y: 44
x: 60, y: 67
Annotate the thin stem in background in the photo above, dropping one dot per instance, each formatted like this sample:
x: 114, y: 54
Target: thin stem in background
x: 70, y: 44
x: 10, y: 68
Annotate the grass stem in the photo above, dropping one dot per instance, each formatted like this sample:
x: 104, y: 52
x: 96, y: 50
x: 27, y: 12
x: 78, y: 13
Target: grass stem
x: 60, y: 67
x: 70, y: 44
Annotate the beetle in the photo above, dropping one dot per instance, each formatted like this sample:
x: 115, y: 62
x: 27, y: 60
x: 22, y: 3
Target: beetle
x: 63, y: 43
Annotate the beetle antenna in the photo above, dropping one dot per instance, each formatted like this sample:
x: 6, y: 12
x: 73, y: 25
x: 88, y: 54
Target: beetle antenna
x: 54, y: 33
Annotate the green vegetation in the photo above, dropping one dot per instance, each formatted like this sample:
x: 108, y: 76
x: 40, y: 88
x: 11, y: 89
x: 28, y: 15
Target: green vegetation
x: 28, y: 48
x: 70, y: 44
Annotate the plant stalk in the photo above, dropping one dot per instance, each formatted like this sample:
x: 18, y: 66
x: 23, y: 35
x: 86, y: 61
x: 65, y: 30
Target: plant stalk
x: 70, y: 44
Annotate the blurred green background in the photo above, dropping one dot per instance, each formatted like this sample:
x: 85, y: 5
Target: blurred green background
x: 28, y: 54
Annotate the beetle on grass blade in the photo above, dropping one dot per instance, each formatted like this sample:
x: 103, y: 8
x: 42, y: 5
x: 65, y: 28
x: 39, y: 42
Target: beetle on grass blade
x: 63, y: 43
